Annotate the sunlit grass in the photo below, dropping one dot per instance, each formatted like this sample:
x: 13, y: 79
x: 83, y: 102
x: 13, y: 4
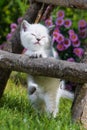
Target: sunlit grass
x: 16, y: 112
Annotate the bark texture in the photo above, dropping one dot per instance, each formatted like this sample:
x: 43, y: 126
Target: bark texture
x: 15, y: 45
x: 79, y: 106
x: 82, y: 4
x: 76, y: 72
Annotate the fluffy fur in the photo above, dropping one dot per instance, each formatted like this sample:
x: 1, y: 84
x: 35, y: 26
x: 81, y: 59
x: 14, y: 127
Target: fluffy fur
x: 43, y: 92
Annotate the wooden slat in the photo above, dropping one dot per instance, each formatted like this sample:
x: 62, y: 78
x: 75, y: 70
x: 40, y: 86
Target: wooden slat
x: 82, y: 4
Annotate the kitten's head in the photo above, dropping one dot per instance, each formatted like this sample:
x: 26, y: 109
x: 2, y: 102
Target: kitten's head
x: 34, y: 36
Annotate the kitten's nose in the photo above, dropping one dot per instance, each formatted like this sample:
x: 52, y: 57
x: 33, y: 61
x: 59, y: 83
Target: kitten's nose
x: 38, y: 39
x: 32, y: 90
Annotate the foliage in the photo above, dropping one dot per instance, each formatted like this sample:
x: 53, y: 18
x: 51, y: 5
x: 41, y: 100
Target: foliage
x: 67, y: 39
x: 9, y: 12
x: 16, y: 113
x: 69, y: 36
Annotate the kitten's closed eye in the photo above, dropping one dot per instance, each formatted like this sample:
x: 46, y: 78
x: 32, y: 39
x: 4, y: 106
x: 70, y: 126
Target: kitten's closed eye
x: 33, y: 34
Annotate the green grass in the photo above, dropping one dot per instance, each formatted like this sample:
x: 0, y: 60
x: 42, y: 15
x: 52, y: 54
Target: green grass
x: 16, y: 113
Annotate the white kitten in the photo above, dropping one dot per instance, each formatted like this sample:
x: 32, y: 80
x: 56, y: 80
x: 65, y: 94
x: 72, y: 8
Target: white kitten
x: 44, y: 93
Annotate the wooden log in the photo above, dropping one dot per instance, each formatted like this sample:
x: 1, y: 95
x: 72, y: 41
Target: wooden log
x: 15, y: 45
x: 82, y: 4
x: 76, y: 72
x: 79, y: 106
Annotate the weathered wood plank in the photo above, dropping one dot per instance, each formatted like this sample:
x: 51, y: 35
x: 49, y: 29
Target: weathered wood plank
x: 82, y: 4
x: 76, y: 72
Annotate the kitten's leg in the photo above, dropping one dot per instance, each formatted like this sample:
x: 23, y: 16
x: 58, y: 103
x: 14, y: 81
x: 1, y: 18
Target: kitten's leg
x: 51, y: 103
x: 63, y: 93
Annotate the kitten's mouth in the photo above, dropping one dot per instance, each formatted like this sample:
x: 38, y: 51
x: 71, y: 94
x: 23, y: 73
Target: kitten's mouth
x: 37, y: 43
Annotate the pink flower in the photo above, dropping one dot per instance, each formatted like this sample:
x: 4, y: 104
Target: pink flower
x: 57, y: 30
x: 67, y: 43
x: 13, y: 25
x: 60, y: 14
x: 67, y: 23
x: 55, y: 35
x: 73, y: 37
x: 13, y: 30
x: 59, y: 22
x: 82, y: 24
x: 2, y: 46
x: 71, y: 59
x: 78, y: 52
x: 19, y: 20
x: 71, y: 31
x: 60, y: 47
x: 76, y: 43
x: 60, y: 38
x: 83, y: 33
x: 48, y: 22
x: 9, y: 35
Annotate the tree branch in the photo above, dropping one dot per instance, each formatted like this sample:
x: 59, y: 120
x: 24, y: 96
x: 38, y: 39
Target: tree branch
x: 51, y: 67
x: 82, y: 4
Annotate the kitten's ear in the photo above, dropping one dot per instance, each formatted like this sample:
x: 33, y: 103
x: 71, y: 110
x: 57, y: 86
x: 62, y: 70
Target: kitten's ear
x: 24, y: 25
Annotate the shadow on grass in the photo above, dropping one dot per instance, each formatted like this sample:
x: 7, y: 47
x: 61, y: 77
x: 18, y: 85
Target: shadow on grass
x: 15, y: 103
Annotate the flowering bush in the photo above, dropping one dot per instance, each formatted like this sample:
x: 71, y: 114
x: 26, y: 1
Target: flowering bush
x: 68, y: 42
x: 13, y: 26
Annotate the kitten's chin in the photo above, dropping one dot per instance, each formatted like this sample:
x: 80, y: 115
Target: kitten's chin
x: 37, y: 43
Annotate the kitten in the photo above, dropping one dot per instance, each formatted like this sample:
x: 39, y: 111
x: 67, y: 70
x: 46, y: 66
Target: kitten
x: 44, y: 92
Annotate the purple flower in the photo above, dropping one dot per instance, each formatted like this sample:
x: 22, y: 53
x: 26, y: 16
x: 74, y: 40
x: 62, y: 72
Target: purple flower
x: 67, y: 23
x: 13, y: 25
x: 71, y: 59
x: 78, y: 52
x: 67, y: 43
x: 13, y: 30
x: 19, y: 20
x: 2, y: 46
x: 83, y: 33
x: 60, y: 14
x: 60, y: 38
x: 73, y: 37
x: 60, y: 47
x: 55, y: 35
x: 71, y: 31
x: 57, y: 30
x: 9, y: 35
x: 76, y: 43
x: 48, y: 22
x: 59, y: 21
x: 68, y: 87
x: 82, y: 24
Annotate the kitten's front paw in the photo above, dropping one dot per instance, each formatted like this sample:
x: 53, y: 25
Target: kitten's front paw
x: 36, y: 56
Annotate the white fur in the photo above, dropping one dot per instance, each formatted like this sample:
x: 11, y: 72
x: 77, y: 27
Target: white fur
x: 46, y: 95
